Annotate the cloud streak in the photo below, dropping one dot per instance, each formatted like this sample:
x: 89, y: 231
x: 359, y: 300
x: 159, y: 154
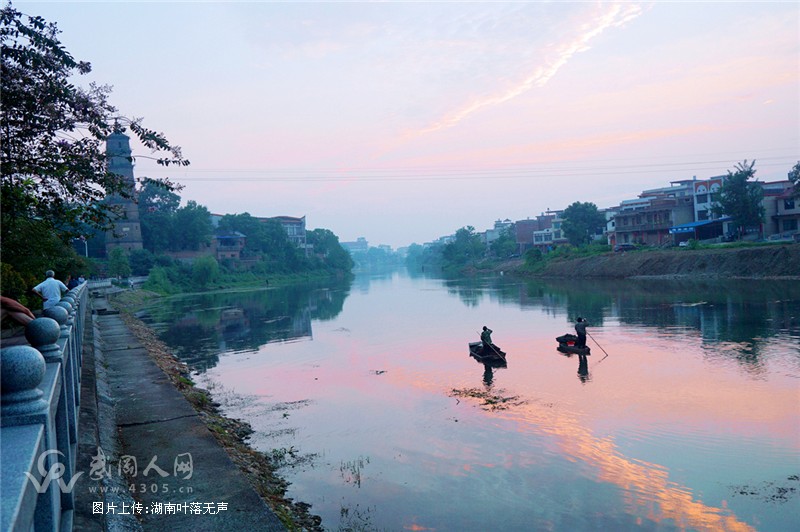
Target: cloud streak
x: 615, y: 16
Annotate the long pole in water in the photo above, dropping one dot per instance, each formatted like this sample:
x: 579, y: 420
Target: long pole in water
x: 595, y: 341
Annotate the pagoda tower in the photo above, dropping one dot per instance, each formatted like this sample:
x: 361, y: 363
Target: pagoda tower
x: 127, y: 232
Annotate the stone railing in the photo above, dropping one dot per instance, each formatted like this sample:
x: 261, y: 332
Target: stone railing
x: 39, y: 418
x: 99, y: 283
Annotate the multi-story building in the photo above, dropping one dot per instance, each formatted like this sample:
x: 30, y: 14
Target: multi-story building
x: 707, y: 223
x: 706, y: 197
x: 296, y: 231
x: 649, y: 221
x: 490, y: 235
x: 781, y: 209
x: 524, y: 230
x: 228, y: 245
x: 610, y: 214
x: 552, y: 235
x: 359, y: 246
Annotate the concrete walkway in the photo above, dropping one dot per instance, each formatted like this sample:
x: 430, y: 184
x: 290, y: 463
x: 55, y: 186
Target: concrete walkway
x: 158, y: 458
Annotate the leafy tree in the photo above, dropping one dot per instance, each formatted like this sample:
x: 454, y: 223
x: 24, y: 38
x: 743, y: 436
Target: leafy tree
x: 254, y: 229
x: 533, y: 256
x: 280, y: 253
x: 33, y: 248
x: 204, y: 270
x: 505, y: 245
x: 52, y: 161
x: 466, y: 247
x: 326, y: 245
x: 794, y: 177
x: 157, y: 207
x: 740, y: 198
x: 141, y: 261
x: 159, y: 281
x: 581, y: 222
x: 419, y: 257
x: 118, y: 263
x: 191, y: 227
x: 376, y: 257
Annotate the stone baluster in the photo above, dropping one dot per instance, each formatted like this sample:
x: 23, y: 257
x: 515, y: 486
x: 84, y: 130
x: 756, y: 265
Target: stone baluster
x: 43, y: 334
x: 73, y: 317
x: 71, y: 381
x: 67, y: 304
x: 21, y: 372
x: 27, y: 390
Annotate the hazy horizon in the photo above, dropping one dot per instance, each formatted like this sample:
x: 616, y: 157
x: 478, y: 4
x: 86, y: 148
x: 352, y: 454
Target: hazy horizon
x: 402, y: 122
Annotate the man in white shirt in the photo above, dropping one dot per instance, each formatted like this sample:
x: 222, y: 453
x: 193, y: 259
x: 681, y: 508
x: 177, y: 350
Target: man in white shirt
x: 50, y: 290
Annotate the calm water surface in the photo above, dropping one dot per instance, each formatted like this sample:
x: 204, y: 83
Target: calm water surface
x: 686, y: 416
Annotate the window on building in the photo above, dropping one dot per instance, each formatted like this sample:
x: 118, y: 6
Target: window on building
x: 702, y: 215
x: 790, y: 225
x: 788, y: 204
x: 702, y: 198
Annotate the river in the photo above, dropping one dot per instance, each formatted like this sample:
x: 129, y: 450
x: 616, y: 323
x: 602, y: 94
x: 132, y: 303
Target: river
x: 686, y: 415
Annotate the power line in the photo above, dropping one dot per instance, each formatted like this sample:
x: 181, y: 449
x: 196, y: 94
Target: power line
x: 299, y: 175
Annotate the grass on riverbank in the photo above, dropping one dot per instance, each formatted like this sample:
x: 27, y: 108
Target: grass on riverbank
x: 536, y: 262
x: 168, y: 282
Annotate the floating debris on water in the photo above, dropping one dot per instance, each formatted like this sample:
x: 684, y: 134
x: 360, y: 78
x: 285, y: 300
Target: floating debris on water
x: 491, y: 400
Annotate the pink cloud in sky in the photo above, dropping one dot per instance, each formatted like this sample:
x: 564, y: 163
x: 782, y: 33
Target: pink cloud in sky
x: 614, y: 15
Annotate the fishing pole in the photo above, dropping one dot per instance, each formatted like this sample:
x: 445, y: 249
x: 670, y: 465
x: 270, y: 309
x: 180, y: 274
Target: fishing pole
x: 598, y: 345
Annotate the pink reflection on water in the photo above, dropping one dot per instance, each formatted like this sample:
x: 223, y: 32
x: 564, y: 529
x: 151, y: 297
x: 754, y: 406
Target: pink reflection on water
x: 691, y: 395
x: 647, y: 382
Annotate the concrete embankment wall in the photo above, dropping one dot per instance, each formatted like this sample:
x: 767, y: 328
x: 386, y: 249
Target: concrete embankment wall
x: 767, y: 262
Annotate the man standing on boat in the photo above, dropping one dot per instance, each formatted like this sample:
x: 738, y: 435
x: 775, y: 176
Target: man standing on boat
x: 486, y: 339
x: 580, y: 328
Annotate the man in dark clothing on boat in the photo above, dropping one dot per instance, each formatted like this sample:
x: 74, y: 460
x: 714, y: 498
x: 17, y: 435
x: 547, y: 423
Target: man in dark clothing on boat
x: 486, y: 339
x: 580, y: 328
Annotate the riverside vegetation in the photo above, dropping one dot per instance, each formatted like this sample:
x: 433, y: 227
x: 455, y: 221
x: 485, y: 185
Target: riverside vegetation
x: 737, y: 260
x: 742, y: 259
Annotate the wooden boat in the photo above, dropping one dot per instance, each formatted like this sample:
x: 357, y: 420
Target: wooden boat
x: 566, y: 344
x: 495, y: 357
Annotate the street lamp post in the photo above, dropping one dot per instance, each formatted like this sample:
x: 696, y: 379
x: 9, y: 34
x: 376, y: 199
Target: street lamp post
x: 85, y: 245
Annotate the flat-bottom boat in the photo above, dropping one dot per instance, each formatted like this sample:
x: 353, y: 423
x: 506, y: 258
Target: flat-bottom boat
x: 566, y: 344
x: 495, y: 357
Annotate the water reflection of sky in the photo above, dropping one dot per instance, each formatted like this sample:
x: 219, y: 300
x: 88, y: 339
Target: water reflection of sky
x: 698, y: 394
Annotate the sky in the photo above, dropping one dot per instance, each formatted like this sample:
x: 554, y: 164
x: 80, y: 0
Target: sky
x: 401, y: 122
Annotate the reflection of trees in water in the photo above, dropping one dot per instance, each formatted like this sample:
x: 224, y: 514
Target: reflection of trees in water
x: 200, y: 327
x: 367, y: 276
x: 736, y: 316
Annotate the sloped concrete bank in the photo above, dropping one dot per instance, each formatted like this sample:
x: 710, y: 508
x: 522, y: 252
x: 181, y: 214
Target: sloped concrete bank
x: 132, y: 413
x: 776, y: 261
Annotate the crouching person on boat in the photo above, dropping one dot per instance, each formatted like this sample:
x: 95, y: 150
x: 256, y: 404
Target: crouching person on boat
x: 486, y: 339
x: 580, y: 329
